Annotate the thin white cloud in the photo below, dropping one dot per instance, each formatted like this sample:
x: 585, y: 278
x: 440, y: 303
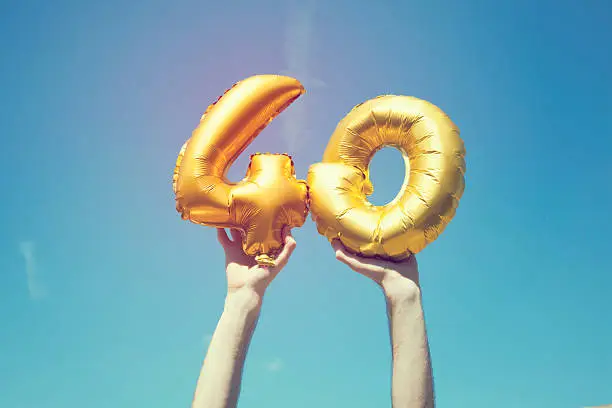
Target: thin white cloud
x: 36, y: 289
x: 298, y: 43
x: 275, y: 365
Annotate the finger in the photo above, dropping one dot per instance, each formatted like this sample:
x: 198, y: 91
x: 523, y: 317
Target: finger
x: 223, y: 238
x: 345, y: 257
x: 236, y: 236
x: 286, y: 232
x: 341, y: 252
x: 348, y: 259
x: 337, y: 245
x: 285, y: 254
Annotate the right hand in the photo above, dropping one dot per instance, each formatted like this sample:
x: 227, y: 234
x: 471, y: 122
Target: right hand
x: 396, y: 278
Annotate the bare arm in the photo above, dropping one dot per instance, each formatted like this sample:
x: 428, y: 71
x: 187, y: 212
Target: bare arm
x: 221, y: 375
x: 412, y: 382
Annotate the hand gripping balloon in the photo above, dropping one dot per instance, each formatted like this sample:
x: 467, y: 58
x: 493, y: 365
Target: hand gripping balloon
x: 269, y: 197
x: 434, y: 181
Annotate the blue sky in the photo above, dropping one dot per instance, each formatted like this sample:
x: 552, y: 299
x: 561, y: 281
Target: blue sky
x: 108, y: 298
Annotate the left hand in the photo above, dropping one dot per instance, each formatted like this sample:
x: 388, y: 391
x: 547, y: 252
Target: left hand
x: 242, y: 270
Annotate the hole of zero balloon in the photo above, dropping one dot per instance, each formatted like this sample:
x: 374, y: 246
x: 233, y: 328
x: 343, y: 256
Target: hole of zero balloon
x: 388, y: 171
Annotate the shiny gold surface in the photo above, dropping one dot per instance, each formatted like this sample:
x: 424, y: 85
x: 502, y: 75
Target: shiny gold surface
x: 269, y: 197
x: 434, y: 181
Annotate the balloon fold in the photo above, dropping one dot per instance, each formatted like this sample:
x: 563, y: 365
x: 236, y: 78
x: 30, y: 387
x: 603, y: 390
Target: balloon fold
x: 433, y: 184
x: 270, y: 197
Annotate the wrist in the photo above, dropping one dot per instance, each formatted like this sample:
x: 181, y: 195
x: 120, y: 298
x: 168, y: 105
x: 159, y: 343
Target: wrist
x: 243, y: 300
x: 398, y: 288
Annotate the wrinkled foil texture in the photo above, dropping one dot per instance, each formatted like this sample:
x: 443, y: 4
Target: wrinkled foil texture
x: 434, y: 155
x: 270, y: 197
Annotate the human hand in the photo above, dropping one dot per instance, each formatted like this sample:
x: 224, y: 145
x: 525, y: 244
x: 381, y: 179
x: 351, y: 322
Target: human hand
x: 242, y: 270
x: 412, y: 380
x: 395, y: 278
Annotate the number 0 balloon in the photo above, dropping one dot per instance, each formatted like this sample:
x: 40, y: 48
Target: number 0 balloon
x: 270, y: 198
x: 433, y: 183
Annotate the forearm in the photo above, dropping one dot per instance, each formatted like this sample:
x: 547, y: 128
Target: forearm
x: 219, y: 382
x: 412, y: 383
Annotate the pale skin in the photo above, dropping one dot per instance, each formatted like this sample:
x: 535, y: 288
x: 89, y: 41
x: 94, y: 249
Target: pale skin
x: 221, y: 375
x: 412, y: 380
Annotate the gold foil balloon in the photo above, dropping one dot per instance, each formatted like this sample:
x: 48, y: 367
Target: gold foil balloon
x: 269, y: 197
x: 434, y: 181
